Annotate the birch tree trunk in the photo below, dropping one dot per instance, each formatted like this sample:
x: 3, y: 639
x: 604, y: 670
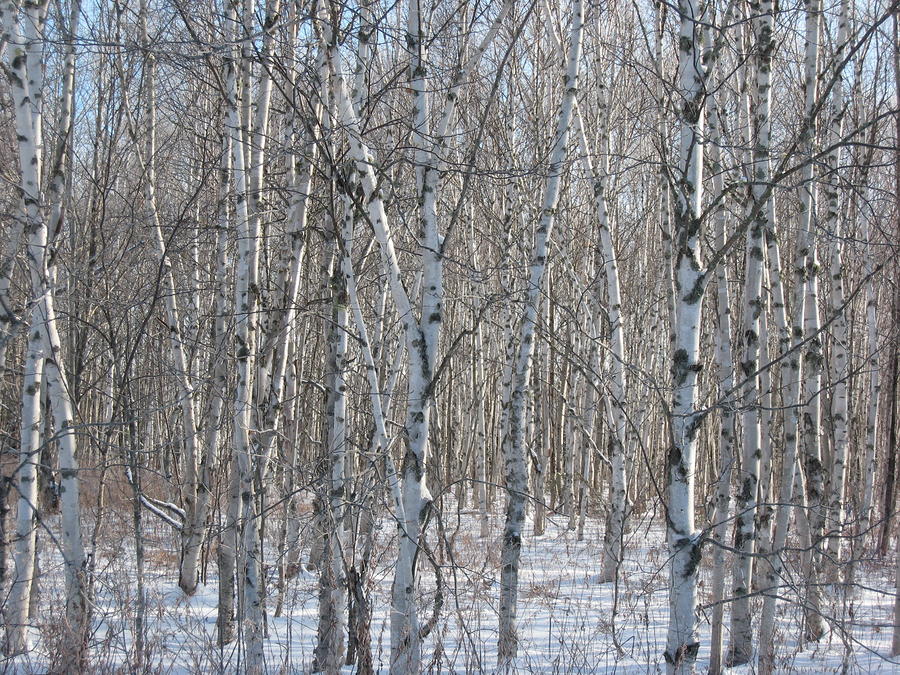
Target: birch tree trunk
x: 8, y: 318
x: 405, y: 641
x: 421, y: 334
x: 422, y: 353
x: 242, y: 523
x: 187, y: 571
x: 682, y: 642
x: 874, y: 388
x: 247, y: 327
x: 812, y: 357
x: 791, y: 470
x: 725, y: 374
x: 613, y: 541
x: 336, y: 572
x: 228, y: 542
x: 764, y: 510
x: 834, y: 522
x: 331, y: 648
x: 25, y: 41
x: 569, y: 442
x: 753, y: 315
x: 515, y: 469
x: 810, y: 438
x: 16, y: 610
x: 26, y: 479
x: 479, y: 389
x: 195, y: 522
x: 893, y: 372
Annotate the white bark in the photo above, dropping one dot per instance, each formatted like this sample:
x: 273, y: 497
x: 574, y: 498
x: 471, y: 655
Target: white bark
x: 245, y: 304
x: 16, y: 610
x: 228, y: 542
x: 73, y: 551
x: 573, y: 378
x: 479, y: 387
x: 380, y: 406
x: 684, y: 546
x: 508, y: 363
x: 421, y: 334
x: 187, y: 576
x: 810, y: 439
x: 543, y: 415
x: 8, y: 318
x: 764, y: 509
x: 26, y: 46
x: 812, y: 357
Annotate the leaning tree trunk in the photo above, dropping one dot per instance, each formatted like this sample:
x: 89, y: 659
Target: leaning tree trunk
x: 613, y: 540
x: 421, y: 335
x: 515, y: 471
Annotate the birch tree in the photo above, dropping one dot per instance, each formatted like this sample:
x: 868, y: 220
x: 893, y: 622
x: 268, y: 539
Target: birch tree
x: 810, y: 438
x: 405, y: 636
x: 753, y: 316
x: 422, y: 332
x: 834, y: 521
x: 515, y: 470
x: 791, y: 370
x: 16, y: 610
x: 684, y: 545
x: 618, y: 489
x: 725, y: 377
x: 23, y: 33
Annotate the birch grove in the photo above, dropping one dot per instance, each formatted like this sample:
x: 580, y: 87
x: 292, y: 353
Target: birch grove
x: 473, y: 337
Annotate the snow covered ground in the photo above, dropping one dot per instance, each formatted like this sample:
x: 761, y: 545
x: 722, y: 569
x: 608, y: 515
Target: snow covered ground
x: 568, y: 622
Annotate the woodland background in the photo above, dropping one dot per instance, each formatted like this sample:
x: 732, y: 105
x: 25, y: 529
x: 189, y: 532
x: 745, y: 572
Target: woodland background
x: 396, y: 335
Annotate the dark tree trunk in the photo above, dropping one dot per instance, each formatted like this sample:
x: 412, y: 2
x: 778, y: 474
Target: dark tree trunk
x: 891, y: 470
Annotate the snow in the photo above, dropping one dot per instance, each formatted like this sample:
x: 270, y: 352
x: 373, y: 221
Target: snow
x: 567, y: 621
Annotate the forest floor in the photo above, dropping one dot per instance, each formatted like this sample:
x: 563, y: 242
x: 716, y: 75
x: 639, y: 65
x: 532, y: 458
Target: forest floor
x: 568, y: 622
